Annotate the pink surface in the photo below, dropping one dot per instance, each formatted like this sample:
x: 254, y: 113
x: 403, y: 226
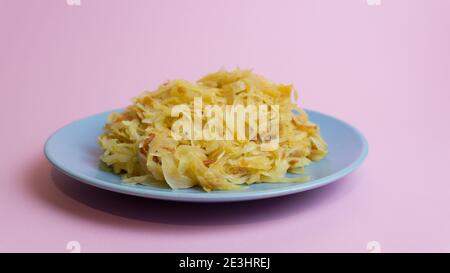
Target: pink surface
x: 384, y: 69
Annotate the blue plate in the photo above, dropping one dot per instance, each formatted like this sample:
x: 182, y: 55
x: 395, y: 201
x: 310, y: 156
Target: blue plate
x: 73, y: 150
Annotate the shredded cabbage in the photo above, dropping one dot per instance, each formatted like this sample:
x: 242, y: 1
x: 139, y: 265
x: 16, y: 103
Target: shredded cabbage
x: 138, y: 145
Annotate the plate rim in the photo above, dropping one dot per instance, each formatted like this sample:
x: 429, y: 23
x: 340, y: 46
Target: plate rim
x: 219, y: 196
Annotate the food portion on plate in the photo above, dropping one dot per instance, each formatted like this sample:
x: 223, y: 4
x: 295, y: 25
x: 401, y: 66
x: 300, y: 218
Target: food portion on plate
x: 142, y: 145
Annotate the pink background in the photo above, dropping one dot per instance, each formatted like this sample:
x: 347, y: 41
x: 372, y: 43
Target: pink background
x: 384, y: 69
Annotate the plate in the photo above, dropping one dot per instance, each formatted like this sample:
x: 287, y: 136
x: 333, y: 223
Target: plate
x: 74, y: 151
